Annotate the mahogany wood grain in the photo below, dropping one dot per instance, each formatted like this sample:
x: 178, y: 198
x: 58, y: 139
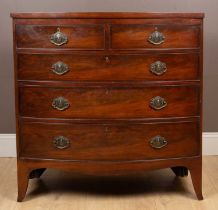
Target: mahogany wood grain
x: 136, y: 36
x: 91, y: 67
x: 79, y: 36
x: 109, y: 141
x: 109, y: 15
x: 122, y: 102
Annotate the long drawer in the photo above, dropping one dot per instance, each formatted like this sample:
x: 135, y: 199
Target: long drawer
x: 140, y: 36
x: 74, y: 67
x: 109, y: 141
x: 109, y: 102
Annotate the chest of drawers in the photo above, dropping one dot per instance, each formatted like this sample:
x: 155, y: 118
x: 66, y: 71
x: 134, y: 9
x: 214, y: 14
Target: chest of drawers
x: 108, y: 93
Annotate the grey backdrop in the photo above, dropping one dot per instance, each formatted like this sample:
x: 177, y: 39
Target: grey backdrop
x: 209, y: 7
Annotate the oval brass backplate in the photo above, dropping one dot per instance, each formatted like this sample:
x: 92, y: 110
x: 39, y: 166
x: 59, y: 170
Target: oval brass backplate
x: 156, y: 37
x: 61, y: 142
x: 158, y: 142
x: 158, y: 68
x: 158, y: 103
x: 60, y: 103
x: 60, y: 68
x: 58, y: 38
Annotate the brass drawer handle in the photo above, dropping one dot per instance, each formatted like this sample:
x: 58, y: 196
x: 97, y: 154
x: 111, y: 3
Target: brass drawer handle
x: 60, y: 68
x: 61, y: 142
x: 158, y: 103
x: 156, y: 37
x: 158, y: 142
x: 60, y: 103
x: 58, y: 38
x: 158, y: 68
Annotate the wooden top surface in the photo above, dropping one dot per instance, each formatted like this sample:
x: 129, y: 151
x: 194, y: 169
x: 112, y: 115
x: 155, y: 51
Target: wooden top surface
x: 88, y: 15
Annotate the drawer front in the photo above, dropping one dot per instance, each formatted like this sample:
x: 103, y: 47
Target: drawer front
x: 74, y: 36
x: 120, y: 102
x: 109, y: 141
x: 162, y: 36
x: 74, y: 67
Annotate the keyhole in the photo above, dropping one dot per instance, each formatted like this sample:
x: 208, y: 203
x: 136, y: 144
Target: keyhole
x: 107, y: 91
x: 106, y: 129
x: 107, y: 59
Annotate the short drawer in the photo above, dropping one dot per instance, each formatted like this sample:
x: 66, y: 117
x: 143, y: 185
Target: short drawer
x: 73, y: 36
x: 109, y: 141
x: 124, y: 36
x: 118, y: 67
x: 109, y: 102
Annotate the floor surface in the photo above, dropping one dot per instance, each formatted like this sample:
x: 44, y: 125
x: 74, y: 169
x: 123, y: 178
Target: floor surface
x: 155, y: 190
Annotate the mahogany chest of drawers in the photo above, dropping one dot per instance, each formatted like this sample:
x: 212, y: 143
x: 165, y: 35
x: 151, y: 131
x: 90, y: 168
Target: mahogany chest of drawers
x: 108, y: 93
